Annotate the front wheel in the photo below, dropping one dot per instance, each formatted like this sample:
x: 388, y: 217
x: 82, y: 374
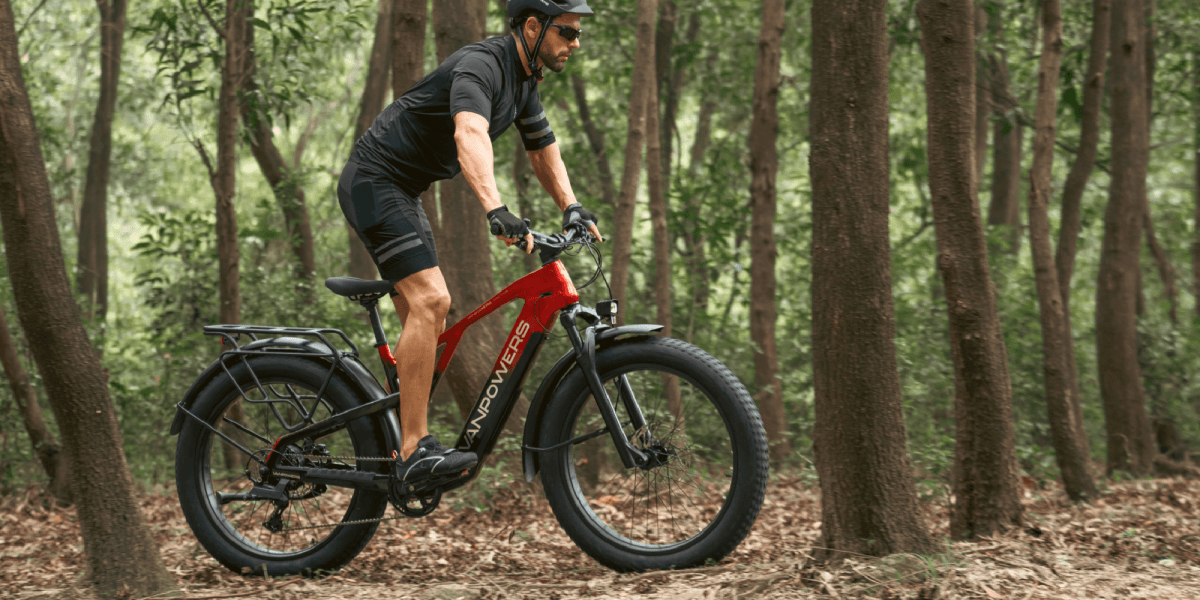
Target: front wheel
x: 697, y: 497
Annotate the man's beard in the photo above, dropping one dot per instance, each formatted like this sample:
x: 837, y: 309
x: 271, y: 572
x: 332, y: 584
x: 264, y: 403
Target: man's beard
x: 552, y: 61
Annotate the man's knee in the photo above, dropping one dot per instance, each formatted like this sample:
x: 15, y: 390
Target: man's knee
x: 433, y: 304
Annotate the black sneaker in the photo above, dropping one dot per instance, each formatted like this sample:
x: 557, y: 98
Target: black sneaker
x: 432, y: 459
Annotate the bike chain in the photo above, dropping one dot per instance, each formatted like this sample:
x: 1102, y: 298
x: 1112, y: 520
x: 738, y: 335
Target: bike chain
x: 341, y: 523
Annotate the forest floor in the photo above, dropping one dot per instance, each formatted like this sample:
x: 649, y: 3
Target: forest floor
x: 1140, y: 540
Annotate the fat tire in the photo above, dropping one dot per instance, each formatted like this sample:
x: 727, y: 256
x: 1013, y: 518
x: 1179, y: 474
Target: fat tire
x: 742, y: 422
x: 192, y: 457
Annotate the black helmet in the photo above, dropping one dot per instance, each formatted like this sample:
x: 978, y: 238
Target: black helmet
x: 550, y: 8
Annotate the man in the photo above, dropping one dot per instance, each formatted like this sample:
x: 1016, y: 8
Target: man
x: 444, y: 125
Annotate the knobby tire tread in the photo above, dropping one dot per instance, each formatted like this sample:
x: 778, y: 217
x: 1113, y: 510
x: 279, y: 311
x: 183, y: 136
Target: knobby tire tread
x: 741, y: 407
x: 331, y: 554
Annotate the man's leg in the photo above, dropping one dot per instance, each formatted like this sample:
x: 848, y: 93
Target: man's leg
x: 427, y: 301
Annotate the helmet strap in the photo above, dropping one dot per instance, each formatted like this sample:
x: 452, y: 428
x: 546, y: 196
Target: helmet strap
x: 532, y: 56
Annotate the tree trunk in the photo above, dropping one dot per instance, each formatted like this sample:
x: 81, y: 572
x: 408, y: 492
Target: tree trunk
x: 92, y: 265
x: 595, y: 138
x: 693, y: 239
x: 1196, y: 182
x: 278, y: 174
x: 1062, y: 391
x: 987, y: 497
x: 662, y: 244
x: 1085, y: 158
x: 520, y: 174
x: 408, y: 44
x: 408, y: 67
x: 224, y: 177
x: 1130, y: 443
x: 623, y: 216
x: 764, y: 165
x: 1163, y: 263
x: 1005, y: 209
x: 464, y: 251
x: 983, y: 104
x: 119, y: 551
x: 1081, y: 171
x: 47, y: 451
x: 868, y: 497
x: 369, y: 106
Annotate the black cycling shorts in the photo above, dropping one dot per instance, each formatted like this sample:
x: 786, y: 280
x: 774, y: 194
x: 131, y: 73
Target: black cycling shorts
x: 391, y: 224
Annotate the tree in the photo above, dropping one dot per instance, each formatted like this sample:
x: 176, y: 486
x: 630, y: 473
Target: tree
x: 47, y: 451
x: 408, y: 44
x: 764, y: 163
x: 92, y: 266
x: 1130, y: 440
x: 464, y: 251
x: 1196, y: 179
x: 655, y: 178
x: 1062, y: 391
x: 1077, y: 178
x: 284, y: 183
x: 1004, y: 212
x: 119, y: 551
x: 983, y: 101
x: 987, y: 497
x: 595, y: 138
x: 370, y: 105
x: 868, y: 497
x: 224, y: 176
x: 643, y: 83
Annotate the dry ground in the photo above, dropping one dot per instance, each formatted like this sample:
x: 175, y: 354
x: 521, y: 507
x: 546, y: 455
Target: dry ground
x: 1141, y: 540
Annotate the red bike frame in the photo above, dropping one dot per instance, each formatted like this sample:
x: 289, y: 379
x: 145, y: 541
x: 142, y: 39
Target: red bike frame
x: 545, y: 292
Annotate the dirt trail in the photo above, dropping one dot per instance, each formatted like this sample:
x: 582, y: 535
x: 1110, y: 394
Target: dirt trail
x: 1141, y: 540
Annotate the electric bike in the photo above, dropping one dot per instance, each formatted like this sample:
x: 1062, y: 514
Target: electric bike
x: 651, y: 452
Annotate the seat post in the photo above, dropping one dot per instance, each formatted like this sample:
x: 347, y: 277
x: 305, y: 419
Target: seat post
x: 372, y: 307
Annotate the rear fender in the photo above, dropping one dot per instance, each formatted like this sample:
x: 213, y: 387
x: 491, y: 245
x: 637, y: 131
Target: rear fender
x: 352, y: 371
x: 541, y: 400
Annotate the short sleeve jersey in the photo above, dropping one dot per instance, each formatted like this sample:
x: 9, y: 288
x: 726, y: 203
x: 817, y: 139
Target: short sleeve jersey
x: 412, y: 140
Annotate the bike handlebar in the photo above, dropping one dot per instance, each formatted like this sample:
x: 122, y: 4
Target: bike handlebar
x: 551, y: 245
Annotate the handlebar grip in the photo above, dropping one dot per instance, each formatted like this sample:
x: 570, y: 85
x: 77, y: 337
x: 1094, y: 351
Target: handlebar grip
x: 496, y: 228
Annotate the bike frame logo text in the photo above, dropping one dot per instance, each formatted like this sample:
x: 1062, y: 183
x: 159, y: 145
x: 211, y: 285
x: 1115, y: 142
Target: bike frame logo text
x: 511, y: 350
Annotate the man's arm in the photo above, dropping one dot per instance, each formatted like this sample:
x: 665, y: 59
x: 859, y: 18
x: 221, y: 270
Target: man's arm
x: 548, y: 165
x: 475, y: 156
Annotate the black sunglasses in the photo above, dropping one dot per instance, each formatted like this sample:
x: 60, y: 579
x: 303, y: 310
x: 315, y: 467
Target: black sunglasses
x: 568, y: 33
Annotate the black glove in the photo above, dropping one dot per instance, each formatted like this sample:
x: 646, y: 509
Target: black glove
x: 506, y: 224
x: 575, y: 213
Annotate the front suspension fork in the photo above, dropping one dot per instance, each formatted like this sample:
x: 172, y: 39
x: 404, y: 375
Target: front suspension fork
x: 585, y: 351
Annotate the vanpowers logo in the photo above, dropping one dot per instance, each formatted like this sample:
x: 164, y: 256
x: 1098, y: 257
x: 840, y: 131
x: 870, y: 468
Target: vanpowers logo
x: 511, y: 350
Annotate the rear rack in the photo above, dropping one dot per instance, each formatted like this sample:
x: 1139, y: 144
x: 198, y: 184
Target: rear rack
x: 275, y: 394
x: 232, y: 333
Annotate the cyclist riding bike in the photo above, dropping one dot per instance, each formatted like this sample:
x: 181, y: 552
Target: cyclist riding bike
x: 442, y: 126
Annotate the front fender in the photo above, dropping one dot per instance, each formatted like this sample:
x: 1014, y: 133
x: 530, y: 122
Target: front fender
x: 354, y: 372
x: 537, y: 407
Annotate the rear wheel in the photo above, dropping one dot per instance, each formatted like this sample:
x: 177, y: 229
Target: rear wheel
x: 700, y: 493
x: 213, y: 477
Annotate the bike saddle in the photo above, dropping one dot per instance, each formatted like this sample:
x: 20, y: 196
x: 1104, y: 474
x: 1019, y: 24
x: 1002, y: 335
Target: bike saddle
x: 353, y: 287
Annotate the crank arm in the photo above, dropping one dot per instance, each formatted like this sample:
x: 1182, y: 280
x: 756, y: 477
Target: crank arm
x: 585, y: 352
